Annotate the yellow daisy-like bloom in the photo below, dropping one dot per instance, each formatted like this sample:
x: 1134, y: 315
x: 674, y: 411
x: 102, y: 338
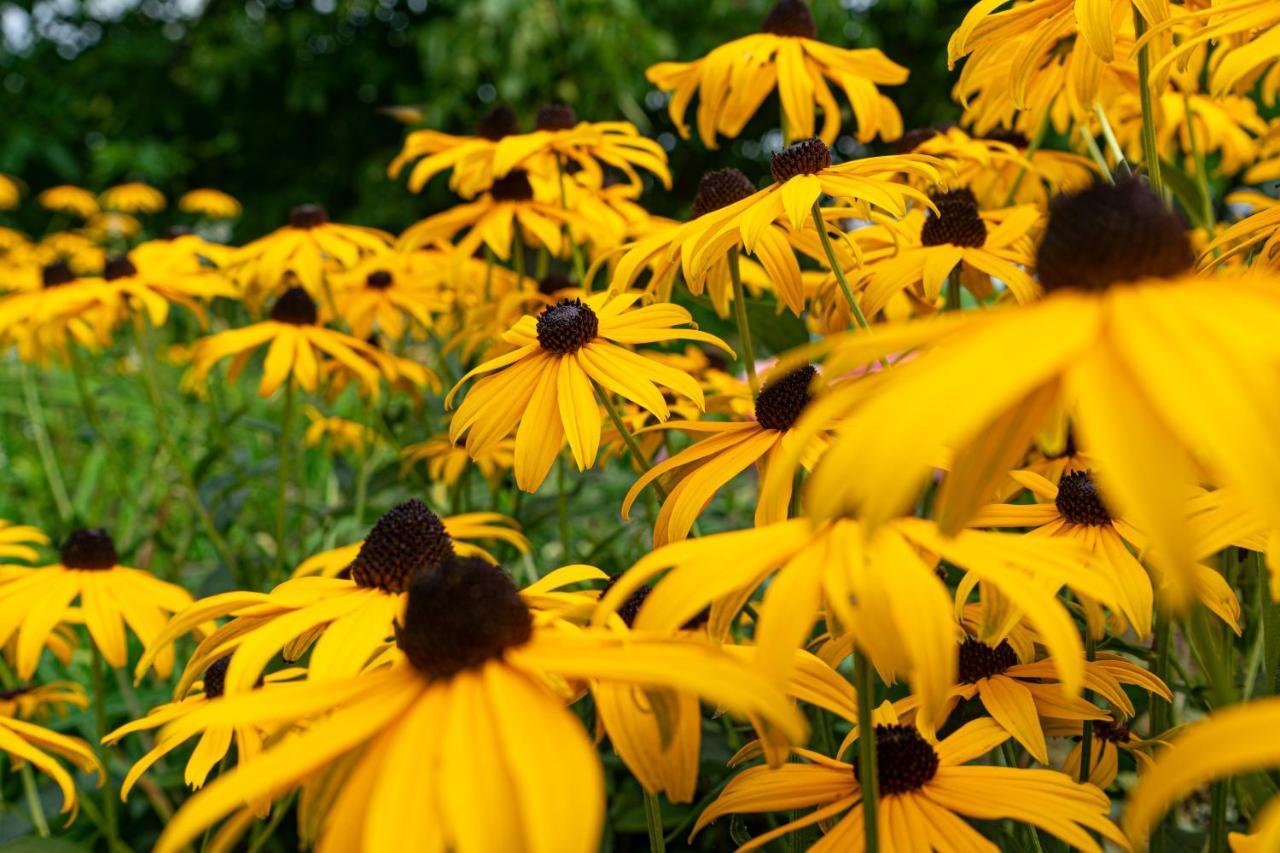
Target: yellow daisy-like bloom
x: 439, y: 734
x: 959, y: 243
x: 1123, y: 326
x: 213, y: 744
x: 41, y: 748
x: 83, y: 255
x: 111, y: 226
x: 545, y: 389
x: 1229, y: 742
x: 69, y: 199
x: 732, y: 447
x: 1246, y: 38
x: 17, y: 541
x: 469, y: 159
x: 133, y: 197
x: 56, y: 313
x: 446, y: 460
x: 35, y: 600
x: 301, y: 350
x: 304, y: 250
x: 386, y: 289
x: 10, y: 192
x: 340, y: 433
x: 210, y: 203
x: 1110, y: 738
x: 733, y: 80
x: 519, y: 209
x: 40, y: 701
x: 1260, y: 232
x: 874, y: 583
x: 129, y: 285
x: 1225, y: 125
x: 925, y: 791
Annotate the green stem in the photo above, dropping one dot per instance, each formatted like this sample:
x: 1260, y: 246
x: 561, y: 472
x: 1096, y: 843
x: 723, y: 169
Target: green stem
x: 48, y: 459
x: 1086, y: 738
x: 627, y: 438
x: 868, y: 776
x: 562, y: 505
x: 953, y: 290
x: 836, y: 269
x: 653, y: 820
x: 1095, y: 154
x: 82, y: 390
x: 1218, y: 817
x: 1113, y: 144
x: 100, y: 714
x: 1160, y: 710
x: 189, y: 490
x: 1202, y: 173
x: 362, y: 484
x: 744, y: 326
x: 1270, y: 628
x: 285, y: 455
x: 1033, y: 835
x: 1150, y: 150
x: 1033, y: 146
x: 34, y: 807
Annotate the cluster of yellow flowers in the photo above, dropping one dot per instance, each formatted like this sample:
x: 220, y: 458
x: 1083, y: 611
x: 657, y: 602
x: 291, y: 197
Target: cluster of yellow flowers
x: 1027, y: 456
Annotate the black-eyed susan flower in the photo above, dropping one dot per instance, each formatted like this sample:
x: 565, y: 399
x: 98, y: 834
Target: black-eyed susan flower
x: 444, y: 726
x: 955, y: 240
x: 1226, y: 126
x: 132, y: 197
x: 1123, y: 327
x: 210, y: 203
x: 1245, y: 34
x: 733, y: 80
x: 301, y: 349
x: 545, y: 389
x: 387, y: 291
x: 1111, y: 739
x: 114, y: 601
x: 925, y: 792
x: 1257, y: 234
x: 469, y: 159
x: 304, y: 251
x: 337, y: 434
x: 42, y: 748
x: 874, y: 584
x: 447, y: 460
x: 69, y: 199
x: 19, y: 541
x: 730, y: 448
x: 41, y: 701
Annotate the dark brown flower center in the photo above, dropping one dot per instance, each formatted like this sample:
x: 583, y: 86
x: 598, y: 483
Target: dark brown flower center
x: 979, y: 661
x: 804, y: 158
x: 567, y: 326
x: 379, y: 280
x: 557, y: 117
x: 406, y: 542
x: 1016, y: 138
x: 89, y: 549
x: 308, y: 216
x: 497, y: 123
x: 296, y: 307
x: 1112, y: 731
x: 461, y: 615
x: 905, y: 761
x: 790, y: 18
x: 1079, y: 502
x: 1108, y: 234
x: 721, y: 188
x: 215, y: 677
x: 913, y: 139
x: 118, y: 267
x: 780, y: 403
x: 514, y: 187
x: 630, y: 608
x: 554, y: 282
x: 56, y: 274
x: 957, y: 221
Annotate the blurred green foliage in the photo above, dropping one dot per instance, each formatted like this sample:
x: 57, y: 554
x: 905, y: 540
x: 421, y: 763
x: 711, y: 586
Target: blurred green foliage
x: 280, y: 102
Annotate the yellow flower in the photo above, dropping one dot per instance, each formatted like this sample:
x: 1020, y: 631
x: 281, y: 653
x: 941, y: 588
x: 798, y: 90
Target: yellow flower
x: 731, y: 448
x: 1245, y: 34
x: 16, y: 541
x: 1224, y: 125
x: 734, y: 79
x: 40, y: 701
x: 41, y: 748
x: 1110, y: 738
x: 469, y: 158
x: 304, y: 250
x: 111, y: 596
x: 10, y: 192
x: 925, y: 790
x: 446, y: 461
x: 133, y: 197
x: 68, y: 199
x: 545, y: 389
x: 1123, y: 327
x: 109, y: 226
x: 341, y: 434
x: 440, y: 733
x: 958, y: 241
x: 384, y: 290
x: 301, y: 350
x: 1259, y: 231
x: 210, y: 203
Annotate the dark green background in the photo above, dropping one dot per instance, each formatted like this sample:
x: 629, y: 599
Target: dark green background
x: 278, y: 102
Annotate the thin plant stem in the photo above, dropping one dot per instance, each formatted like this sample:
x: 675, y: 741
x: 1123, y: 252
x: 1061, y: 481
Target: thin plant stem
x: 868, y: 776
x: 627, y: 438
x: 953, y: 290
x: 1095, y: 154
x: 744, y: 325
x: 1033, y: 145
x: 1218, y: 817
x: 48, y: 459
x: 34, y: 807
x: 266, y: 832
x: 1202, y: 173
x: 100, y: 714
x: 836, y: 269
x: 189, y: 490
x: 362, y: 484
x: 1150, y: 149
x: 82, y: 389
x: 1160, y: 710
x: 1086, y: 736
x: 1033, y: 835
x: 562, y: 504
x: 1270, y: 621
x: 1113, y: 144
x: 285, y: 455
x: 653, y: 820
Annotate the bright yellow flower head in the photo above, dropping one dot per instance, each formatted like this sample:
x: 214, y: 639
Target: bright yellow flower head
x: 10, y: 192
x: 337, y: 434
x: 69, y: 199
x: 733, y: 80
x: 210, y: 203
x: 133, y: 197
